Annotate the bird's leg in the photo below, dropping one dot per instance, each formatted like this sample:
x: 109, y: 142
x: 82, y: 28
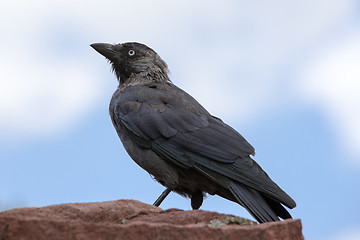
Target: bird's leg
x: 162, y: 197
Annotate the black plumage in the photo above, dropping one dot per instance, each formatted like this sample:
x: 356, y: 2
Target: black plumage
x: 186, y: 149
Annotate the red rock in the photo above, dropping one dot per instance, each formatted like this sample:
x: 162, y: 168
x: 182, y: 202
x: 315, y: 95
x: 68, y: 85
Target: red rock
x: 129, y: 219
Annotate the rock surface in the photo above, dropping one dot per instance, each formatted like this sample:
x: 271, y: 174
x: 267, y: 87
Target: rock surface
x: 129, y: 219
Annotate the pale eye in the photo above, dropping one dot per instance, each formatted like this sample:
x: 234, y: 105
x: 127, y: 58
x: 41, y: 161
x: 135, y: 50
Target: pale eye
x: 131, y: 52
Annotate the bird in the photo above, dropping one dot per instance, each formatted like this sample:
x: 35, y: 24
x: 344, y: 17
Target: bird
x: 179, y: 143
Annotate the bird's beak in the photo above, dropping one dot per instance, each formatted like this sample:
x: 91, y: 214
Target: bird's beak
x: 105, y: 49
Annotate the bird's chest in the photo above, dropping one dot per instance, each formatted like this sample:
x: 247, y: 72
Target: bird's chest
x: 142, y: 153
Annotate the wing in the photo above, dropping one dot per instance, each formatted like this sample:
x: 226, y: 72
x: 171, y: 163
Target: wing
x: 177, y: 127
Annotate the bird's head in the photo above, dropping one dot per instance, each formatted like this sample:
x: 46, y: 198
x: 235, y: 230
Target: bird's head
x: 130, y: 59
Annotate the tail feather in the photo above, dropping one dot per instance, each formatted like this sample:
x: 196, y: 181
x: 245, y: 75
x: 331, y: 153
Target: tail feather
x: 264, y: 208
x: 278, y: 208
x: 254, y: 202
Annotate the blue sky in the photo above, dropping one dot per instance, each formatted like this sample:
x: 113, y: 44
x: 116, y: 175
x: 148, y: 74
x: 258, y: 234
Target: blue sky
x: 284, y: 74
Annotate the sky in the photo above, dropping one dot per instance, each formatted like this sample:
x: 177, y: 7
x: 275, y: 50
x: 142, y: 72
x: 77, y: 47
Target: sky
x: 285, y: 74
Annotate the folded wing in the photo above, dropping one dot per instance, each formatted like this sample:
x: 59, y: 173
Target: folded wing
x: 180, y: 130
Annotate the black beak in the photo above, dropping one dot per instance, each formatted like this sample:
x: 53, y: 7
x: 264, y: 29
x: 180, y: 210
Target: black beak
x: 105, y: 49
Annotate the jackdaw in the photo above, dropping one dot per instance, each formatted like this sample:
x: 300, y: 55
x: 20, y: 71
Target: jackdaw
x: 175, y: 139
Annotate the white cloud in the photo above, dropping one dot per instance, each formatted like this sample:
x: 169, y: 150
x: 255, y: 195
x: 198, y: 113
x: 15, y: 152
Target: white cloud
x: 349, y: 234
x: 41, y: 100
x: 332, y: 79
x: 235, y: 47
